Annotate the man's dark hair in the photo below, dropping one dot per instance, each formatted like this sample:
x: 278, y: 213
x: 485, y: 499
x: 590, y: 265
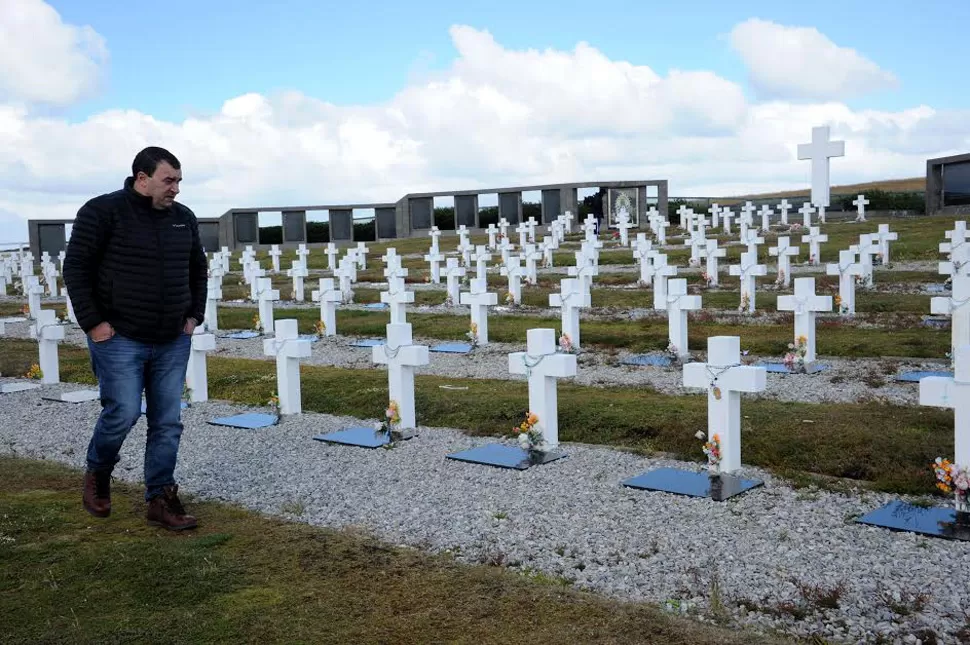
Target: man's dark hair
x: 148, y: 159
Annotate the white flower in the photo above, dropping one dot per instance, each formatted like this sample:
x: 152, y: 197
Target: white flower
x: 700, y: 434
x: 524, y: 439
x: 378, y: 425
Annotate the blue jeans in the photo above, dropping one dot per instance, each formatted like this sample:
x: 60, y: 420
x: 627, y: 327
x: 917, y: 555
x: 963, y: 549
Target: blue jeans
x: 124, y: 368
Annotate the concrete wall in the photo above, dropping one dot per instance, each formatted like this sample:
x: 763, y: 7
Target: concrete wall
x: 934, y: 186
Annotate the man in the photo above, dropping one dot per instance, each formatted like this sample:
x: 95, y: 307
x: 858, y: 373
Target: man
x: 136, y: 275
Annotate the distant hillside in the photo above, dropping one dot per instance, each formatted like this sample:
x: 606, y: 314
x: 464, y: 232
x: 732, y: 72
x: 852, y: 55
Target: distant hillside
x: 889, y: 185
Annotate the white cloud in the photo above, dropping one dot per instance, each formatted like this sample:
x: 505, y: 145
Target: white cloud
x: 802, y: 63
x: 43, y: 60
x: 495, y: 117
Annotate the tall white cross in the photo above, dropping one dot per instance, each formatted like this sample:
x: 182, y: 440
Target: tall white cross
x: 884, y: 237
x: 256, y: 273
x: 523, y: 230
x: 955, y: 306
x: 434, y: 258
x: 514, y: 271
x: 682, y: 212
x: 397, y: 297
x: 288, y: 348
x: 725, y: 378
x: 434, y: 233
x: 301, y: 252
x: 662, y: 225
x: 266, y: 295
x: 711, y: 254
x: 678, y: 304
x: 847, y: 269
x: 401, y: 357
x: 503, y: 227
x: 481, y: 258
x: 345, y: 274
x: 860, y: 203
x: 661, y: 273
x: 462, y: 236
x: 274, y: 254
x: 783, y: 208
x: 785, y: 251
x: 747, y: 271
x: 814, y: 238
x: 726, y: 216
x: 197, y: 371
x: 752, y: 240
x: 866, y: 248
x: 585, y: 270
x: 492, y: 232
x: 531, y: 255
x: 328, y: 297
x: 805, y: 304
x: 454, y: 272
x: 570, y: 299
x: 34, y: 290
x: 332, y: 254
x: 953, y: 392
x: 506, y: 248
x: 479, y: 299
x: 819, y: 151
x: 532, y: 223
x: 298, y: 272
x: 714, y: 211
x: 766, y: 214
x: 806, y: 210
x: 70, y: 307
x: 624, y: 225
x: 213, y: 295
x: 48, y: 333
x: 362, y: 251
x: 542, y: 365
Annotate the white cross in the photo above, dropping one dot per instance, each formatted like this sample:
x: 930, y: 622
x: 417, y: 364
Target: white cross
x: 866, y: 248
x: 548, y: 245
x: 819, y: 151
x: 542, y: 364
x: 585, y: 270
x: 256, y: 274
x: 481, y: 258
x: 523, y: 231
x: 48, y: 333
x: 434, y: 233
x: 814, y: 238
x: 570, y: 298
x: 298, y: 272
x: 454, y: 272
x: 568, y: 220
x: 956, y: 307
x: 301, y: 252
x: 288, y: 348
x: 532, y: 255
x: 711, y: 254
x: 34, y: 291
x: 514, y: 271
x: 785, y: 251
x: 266, y: 295
x: 696, y: 243
x: 726, y: 217
x: 401, y: 357
x: 624, y: 225
x: 196, y: 371
x: 662, y: 225
x: 753, y: 241
x: 714, y: 211
x: 396, y: 297
x: 678, y: 304
x: 506, y: 248
x: 766, y: 214
x: 275, y: 253
x: 884, y: 237
x: 589, y: 227
x: 747, y: 271
x: 345, y: 274
x: 352, y: 262
x: 847, y: 268
x: 661, y: 273
x: 492, y: 232
x: 50, y: 277
x: 783, y: 208
x: 213, y: 295
x: 479, y: 299
x: 953, y: 392
x: 331, y: 252
x: 328, y: 297
x: 532, y: 223
x: 70, y: 307
x: 226, y: 256
x: 860, y: 203
x: 725, y: 378
x: 462, y: 236
x: 682, y: 212
x: 362, y: 251
x: 503, y: 227
x: 806, y: 210
x: 61, y: 257
x: 434, y: 258
x: 805, y: 304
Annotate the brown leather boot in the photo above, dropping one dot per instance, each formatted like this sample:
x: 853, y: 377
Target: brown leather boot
x: 97, y: 493
x: 166, y: 510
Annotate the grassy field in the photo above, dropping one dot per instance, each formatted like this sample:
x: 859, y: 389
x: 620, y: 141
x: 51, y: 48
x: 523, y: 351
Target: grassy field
x: 889, y: 185
x: 883, y: 446
x: 244, y: 578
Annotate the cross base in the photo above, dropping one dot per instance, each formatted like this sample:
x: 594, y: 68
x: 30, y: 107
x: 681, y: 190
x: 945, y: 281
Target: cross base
x: 504, y: 456
x: 79, y: 396
x: 242, y: 335
x: 10, y: 388
x: 362, y: 437
x: 646, y: 359
x: 452, y: 348
x: 915, y: 377
x: 781, y: 368
x: 367, y: 342
x: 683, y: 482
x: 250, y: 421
x: 944, y: 523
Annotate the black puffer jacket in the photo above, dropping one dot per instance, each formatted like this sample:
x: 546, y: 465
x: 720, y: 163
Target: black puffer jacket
x: 141, y: 269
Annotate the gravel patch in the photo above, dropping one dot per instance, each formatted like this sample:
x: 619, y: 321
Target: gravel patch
x: 752, y: 560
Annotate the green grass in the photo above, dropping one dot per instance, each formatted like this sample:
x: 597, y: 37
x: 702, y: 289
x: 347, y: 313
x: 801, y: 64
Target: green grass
x: 243, y: 578
x: 887, y: 447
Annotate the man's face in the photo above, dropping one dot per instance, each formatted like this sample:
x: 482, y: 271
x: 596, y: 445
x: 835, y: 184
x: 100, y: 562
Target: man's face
x: 162, y: 187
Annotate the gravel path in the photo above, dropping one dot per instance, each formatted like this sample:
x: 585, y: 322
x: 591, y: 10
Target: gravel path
x: 756, y: 558
x: 846, y: 380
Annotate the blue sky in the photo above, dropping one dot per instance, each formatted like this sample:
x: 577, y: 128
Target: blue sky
x: 180, y: 58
